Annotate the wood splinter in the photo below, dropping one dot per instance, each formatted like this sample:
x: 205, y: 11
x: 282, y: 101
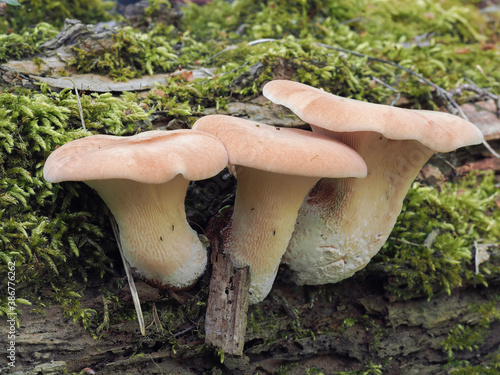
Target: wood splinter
x: 226, y: 317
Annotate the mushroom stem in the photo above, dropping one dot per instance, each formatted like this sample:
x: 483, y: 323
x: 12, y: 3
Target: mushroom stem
x: 264, y: 215
x: 329, y: 245
x: 154, y: 233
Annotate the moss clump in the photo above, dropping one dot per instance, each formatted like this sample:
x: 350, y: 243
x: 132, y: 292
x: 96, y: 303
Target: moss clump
x: 369, y: 369
x: 20, y: 18
x: 435, y: 40
x: 45, y: 228
x: 429, y: 250
x: 471, y: 336
x: 177, y: 97
x: 16, y: 46
x: 128, y: 54
x: 439, y: 41
x: 490, y: 366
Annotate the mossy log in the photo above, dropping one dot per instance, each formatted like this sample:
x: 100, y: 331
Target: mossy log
x: 343, y: 327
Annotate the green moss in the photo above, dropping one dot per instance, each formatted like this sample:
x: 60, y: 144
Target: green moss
x: 449, y: 53
x: 272, y: 326
x: 369, y: 369
x: 20, y: 18
x: 16, y: 46
x: 449, y: 50
x: 69, y: 299
x: 177, y: 97
x: 490, y: 366
x: 128, y: 54
x: 429, y: 250
x: 286, y: 369
x: 46, y: 228
x: 471, y: 336
x: 347, y: 323
x: 175, y: 318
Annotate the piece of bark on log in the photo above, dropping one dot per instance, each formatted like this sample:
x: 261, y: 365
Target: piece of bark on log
x: 226, y: 317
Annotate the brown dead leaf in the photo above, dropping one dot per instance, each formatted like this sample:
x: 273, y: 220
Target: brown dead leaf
x: 488, y: 46
x: 483, y: 115
x: 187, y: 75
x: 431, y: 175
x: 159, y: 93
x: 462, y: 51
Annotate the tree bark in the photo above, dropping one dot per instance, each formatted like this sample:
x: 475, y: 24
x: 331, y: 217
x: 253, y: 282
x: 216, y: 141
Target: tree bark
x: 226, y: 317
x: 339, y: 327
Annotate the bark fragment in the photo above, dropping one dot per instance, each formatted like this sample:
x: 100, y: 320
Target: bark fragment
x: 226, y: 317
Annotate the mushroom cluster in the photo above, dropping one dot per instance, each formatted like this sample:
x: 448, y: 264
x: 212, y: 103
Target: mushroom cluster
x: 323, y: 202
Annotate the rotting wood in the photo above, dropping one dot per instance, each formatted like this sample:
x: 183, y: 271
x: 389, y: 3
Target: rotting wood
x: 226, y: 317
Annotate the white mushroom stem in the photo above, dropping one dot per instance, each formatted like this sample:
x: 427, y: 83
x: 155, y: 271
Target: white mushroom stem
x: 343, y: 223
x: 154, y: 233
x: 264, y: 216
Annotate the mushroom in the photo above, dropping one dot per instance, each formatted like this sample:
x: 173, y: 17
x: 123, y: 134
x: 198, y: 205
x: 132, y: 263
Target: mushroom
x: 143, y: 180
x: 275, y: 168
x: 343, y: 223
